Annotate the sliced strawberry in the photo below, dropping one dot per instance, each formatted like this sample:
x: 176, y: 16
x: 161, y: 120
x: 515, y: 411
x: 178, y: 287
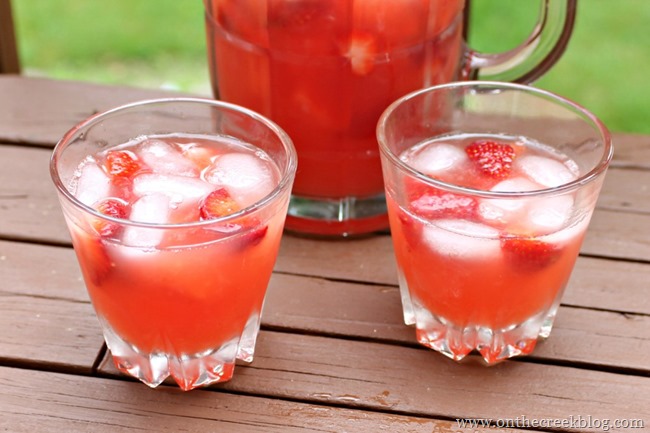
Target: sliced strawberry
x: 491, y: 157
x: 113, y: 208
x: 529, y: 254
x: 217, y: 204
x: 410, y: 229
x: 436, y: 203
x: 122, y: 163
x: 254, y: 237
x: 93, y: 257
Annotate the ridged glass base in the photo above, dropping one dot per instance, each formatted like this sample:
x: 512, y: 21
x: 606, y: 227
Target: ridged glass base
x: 349, y: 216
x: 189, y: 371
x: 493, y: 345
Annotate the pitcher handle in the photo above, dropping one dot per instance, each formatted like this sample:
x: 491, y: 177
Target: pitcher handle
x: 535, y: 56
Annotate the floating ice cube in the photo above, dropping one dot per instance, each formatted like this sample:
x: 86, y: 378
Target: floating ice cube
x: 569, y: 234
x: 437, y: 158
x: 462, y: 239
x: 545, y: 171
x: 165, y: 158
x: 246, y: 177
x: 515, y: 184
x: 504, y: 210
x: 152, y: 209
x: 178, y: 188
x: 549, y: 214
x: 93, y: 184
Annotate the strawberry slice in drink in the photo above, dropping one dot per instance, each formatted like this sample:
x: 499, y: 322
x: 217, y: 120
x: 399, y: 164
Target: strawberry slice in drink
x: 529, y: 254
x: 95, y: 262
x: 430, y: 202
x: 113, y: 208
x: 491, y: 158
x: 220, y: 203
x: 217, y: 204
x: 436, y: 203
x: 122, y: 163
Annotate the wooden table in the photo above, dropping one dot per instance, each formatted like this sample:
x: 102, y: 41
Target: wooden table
x: 333, y: 354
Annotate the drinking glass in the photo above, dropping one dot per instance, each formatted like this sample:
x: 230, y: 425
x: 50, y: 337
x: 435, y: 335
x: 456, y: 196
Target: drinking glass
x: 324, y: 70
x: 175, y: 298
x: 490, y: 189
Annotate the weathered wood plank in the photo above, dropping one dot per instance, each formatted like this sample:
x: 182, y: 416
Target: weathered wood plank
x: 618, y: 235
x: 29, y: 208
x: 410, y: 380
x: 626, y: 190
x: 45, y: 313
x: 39, y: 111
x: 36, y: 401
x: 610, y: 285
x: 48, y: 331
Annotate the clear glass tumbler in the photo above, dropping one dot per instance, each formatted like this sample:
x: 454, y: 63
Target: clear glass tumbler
x: 176, y: 209
x: 490, y: 189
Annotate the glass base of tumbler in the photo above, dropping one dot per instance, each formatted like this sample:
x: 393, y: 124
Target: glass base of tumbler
x: 189, y: 371
x: 349, y: 216
x: 456, y: 342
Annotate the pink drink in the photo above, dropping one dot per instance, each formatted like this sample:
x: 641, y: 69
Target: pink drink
x: 485, y: 265
x: 490, y: 189
x: 177, y: 293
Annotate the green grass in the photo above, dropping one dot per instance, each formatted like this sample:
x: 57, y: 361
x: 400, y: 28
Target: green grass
x: 147, y: 43
x: 161, y: 43
x: 606, y: 64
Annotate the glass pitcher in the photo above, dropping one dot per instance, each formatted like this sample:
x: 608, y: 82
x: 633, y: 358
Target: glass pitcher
x: 324, y: 70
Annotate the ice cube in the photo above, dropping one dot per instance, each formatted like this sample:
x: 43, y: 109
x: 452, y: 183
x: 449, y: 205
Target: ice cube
x: 178, y: 188
x: 165, y: 158
x: 152, y: 209
x: 549, y: 214
x: 437, y: 158
x: 93, y: 184
x: 505, y: 210
x: 462, y: 239
x: 246, y: 177
x: 571, y: 233
x: 545, y: 171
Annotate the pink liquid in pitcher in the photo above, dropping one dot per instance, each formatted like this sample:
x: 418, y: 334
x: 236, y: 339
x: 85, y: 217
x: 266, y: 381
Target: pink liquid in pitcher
x: 325, y: 70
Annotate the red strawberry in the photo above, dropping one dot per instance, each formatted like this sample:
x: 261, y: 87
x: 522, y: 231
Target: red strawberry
x: 122, y: 163
x: 529, y: 254
x: 491, y: 157
x: 113, y: 208
x: 436, y: 203
x: 217, y: 204
x: 254, y: 237
x: 93, y: 257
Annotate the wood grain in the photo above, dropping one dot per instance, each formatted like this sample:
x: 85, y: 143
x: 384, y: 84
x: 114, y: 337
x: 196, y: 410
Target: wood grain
x: 380, y: 377
x: 33, y: 401
x: 38, y: 111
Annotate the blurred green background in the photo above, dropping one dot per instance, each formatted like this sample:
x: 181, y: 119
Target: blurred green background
x: 161, y: 44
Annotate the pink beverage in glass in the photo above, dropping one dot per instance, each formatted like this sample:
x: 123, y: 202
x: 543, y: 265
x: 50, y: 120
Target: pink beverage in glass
x: 325, y: 70
x: 487, y: 226
x: 177, y: 235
